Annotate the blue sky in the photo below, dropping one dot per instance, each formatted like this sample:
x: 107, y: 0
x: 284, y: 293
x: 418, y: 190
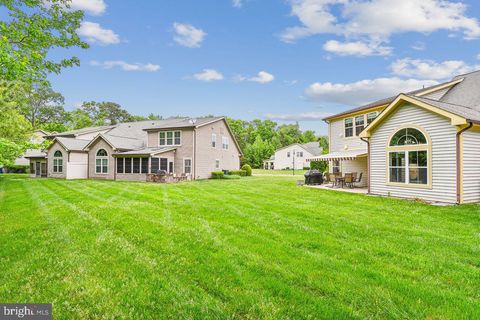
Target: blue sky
x: 285, y: 60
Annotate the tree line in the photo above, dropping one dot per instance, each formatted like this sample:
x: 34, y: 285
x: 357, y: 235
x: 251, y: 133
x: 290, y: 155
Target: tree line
x: 27, y: 101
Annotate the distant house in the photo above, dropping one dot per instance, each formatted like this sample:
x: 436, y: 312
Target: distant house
x: 130, y: 151
x: 293, y: 156
x: 423, y: 144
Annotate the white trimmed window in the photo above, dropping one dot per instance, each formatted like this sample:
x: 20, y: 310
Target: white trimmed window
x: 348, y: 127
x: 214, y: 140
x: 187, y: 165
x: 225, y: 143
x: 359, y: 124
x: 101, y: 162
x: 370, y: 117
x: 58, y: 162
x: 217, y: 164
x: 336, y: 166
x: 408, y: 158
x: 170, y: 138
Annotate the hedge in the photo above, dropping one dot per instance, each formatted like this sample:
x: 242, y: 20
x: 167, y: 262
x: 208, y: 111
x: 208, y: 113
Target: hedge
x: 241, y: 173
x: 248, y: 169
x: 217, y: 175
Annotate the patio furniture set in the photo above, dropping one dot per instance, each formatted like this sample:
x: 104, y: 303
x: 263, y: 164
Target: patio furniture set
x: 164, y: 177
x: 349, y: 179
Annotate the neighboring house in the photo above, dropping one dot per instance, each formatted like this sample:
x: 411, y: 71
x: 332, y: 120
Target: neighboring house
x: 293, y: 156
x: 130, y: 151
x: 38, y: 136
x: 423, y: 144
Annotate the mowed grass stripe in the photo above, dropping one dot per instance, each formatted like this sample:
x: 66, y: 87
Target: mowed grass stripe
x: 248, y: 248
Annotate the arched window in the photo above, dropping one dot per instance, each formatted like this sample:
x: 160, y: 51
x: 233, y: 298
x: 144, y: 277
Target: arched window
x: 409, y: 155
x: 58, y: 162
x: 101, y: 162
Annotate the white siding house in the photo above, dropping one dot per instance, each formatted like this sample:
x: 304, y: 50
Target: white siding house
x: 293, y: 156
x: 424, y: 144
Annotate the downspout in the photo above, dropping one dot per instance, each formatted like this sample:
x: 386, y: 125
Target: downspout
x: 194, y: 156
x: 368, y: 162
x: 459, y: 165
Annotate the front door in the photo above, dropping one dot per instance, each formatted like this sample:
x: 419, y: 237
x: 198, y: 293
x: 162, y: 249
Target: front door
x: 37, y: 169
x: 44, y: 169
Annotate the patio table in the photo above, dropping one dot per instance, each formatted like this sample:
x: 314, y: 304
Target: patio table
x: 340, y: 180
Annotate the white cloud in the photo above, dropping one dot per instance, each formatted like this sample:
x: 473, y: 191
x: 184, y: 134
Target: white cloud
x: 109, y: 64
x: 377, y: 20
x: 187, y: 35
x: 429, y: 69
x: 237, y: 3
x: 364, y: 91
x: 208, y: 75
x: 94, y: 33
x: 356, y: 48
x: 94, y: 7
x: 262, y: 77
x: 419, y: 46
x: 303, y: 116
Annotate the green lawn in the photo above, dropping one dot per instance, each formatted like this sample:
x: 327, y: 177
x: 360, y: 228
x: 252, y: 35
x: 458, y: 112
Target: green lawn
x: 258, y: 247
x: 277, y: 172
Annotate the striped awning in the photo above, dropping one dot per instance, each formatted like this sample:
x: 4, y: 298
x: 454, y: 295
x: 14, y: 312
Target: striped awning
x: 339, y: 155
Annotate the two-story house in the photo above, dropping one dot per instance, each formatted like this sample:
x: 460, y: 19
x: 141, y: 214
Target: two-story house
x: 423, y: 144
x: 130, y: 151
x: 293, y: 156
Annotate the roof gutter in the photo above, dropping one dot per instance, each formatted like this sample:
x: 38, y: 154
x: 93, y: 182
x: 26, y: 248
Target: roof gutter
x: 459, y: 159
x: 368, y: 162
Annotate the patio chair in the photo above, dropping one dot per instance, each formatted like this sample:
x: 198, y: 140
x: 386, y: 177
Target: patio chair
x: 358, y: 180
x: 349, y: 180
x: 331, y: 178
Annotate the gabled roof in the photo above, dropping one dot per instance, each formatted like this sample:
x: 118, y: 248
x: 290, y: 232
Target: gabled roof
x: 458, y: 115
x: 74, y: 133
x: 311, y: 147
x: 118, y: 142
x: 70, y: 144
x: 34, y: 153
x: 184, y: 123
x: 387, y: 101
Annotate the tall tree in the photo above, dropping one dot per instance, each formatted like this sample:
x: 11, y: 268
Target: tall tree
x: 106, y: 113
x: 44, y: 107
x: 32, y: 29
x: 258, y: 151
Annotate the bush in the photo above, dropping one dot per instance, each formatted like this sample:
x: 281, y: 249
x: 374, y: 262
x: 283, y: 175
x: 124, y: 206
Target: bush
x: 321, y: 166
x: 217, y: 175
x: 247, y: 169
x: 17, y: 168
x: 241, y: 173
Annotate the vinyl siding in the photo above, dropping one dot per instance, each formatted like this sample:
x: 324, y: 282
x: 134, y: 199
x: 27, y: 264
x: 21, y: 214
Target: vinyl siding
x: 443, y: 136
x: 338, y: 142
x: 206, y: 155
x: 282, y: 161
x: 359, y: 165
x: 471, y: 166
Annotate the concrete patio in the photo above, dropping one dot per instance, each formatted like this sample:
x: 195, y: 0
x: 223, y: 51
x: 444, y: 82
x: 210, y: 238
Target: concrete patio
x: 358, y: 190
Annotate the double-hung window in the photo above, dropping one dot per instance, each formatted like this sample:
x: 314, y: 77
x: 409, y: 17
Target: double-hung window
x: 359, y: 124
x: 348, y: 127
x: 408, y: 158
x: 58, y: 162
x: 225, y: 143
x: 187, y: 166
x: 170, y: 138
x: 214, y: 140
x: 370, y: 117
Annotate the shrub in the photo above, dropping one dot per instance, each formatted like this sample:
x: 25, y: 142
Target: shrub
x: 17, y: 168
x: 247, y: 169
x: 319, y: 165
x: 241, y: 173
x: 217, y: 175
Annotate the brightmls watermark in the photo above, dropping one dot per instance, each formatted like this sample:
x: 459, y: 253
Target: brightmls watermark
x: 25, y: 311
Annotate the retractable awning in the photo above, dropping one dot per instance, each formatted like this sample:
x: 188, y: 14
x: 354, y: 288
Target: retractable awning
x: 340, y: 155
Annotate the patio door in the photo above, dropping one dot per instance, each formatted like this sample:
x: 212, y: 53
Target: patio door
x: 170, y: 167
x: 43, y: 170
x: 37, y: 169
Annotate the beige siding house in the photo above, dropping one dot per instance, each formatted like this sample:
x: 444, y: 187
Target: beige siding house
x: 423, y: 144
x: 187, y: 147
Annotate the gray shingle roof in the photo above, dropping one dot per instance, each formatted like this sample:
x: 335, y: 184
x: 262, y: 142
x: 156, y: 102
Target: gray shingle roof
x: 73, y: 144
x: 313, y: 147
x: 147, y: 151
x: 466, y: 112
x: 184, y: 123
x: 81, y: 131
